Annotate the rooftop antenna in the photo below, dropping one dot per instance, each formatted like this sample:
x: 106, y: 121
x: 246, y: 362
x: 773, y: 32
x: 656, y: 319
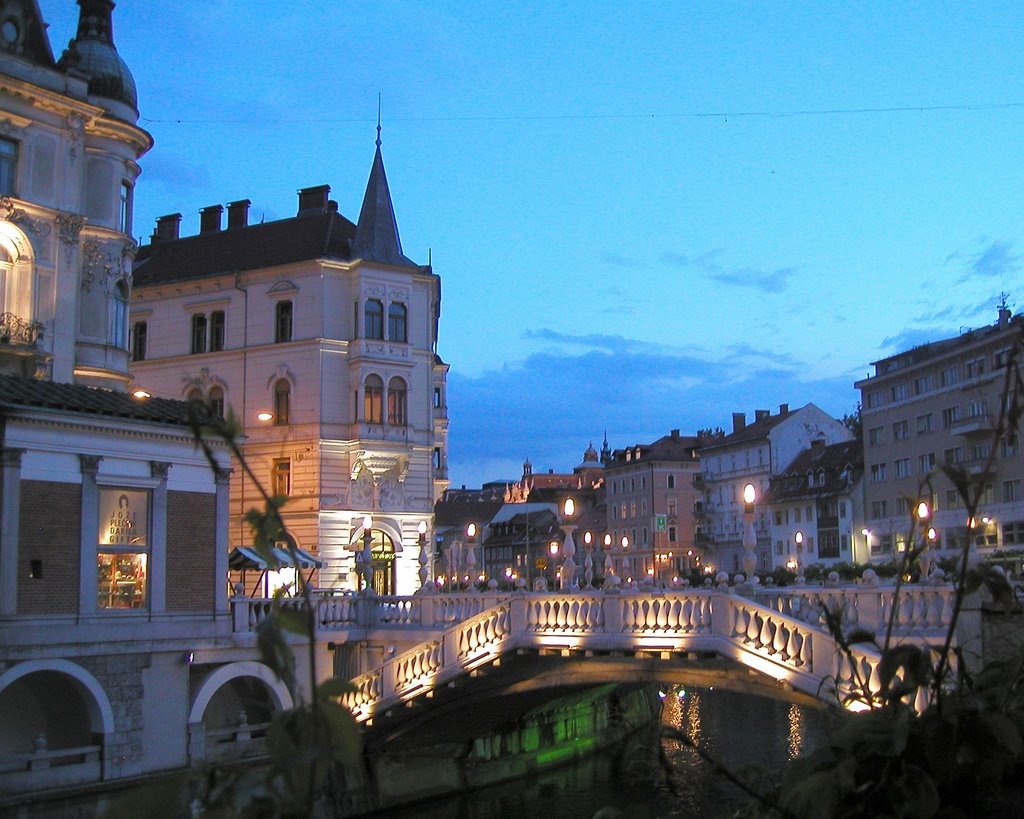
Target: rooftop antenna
x: 378, y: 119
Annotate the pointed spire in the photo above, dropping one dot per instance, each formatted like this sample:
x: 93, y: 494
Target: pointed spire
x: 376, y: 238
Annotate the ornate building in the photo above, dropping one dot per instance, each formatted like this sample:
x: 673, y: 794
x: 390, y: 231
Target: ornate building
x: 320, y: 335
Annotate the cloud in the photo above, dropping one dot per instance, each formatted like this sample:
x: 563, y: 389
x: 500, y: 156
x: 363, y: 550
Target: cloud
x: 995, y: 259
x: 552, y: 404
x: 767, y: 281
x: 913, y: 337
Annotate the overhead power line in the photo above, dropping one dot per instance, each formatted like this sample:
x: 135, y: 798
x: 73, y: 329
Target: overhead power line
x: 768, y: 114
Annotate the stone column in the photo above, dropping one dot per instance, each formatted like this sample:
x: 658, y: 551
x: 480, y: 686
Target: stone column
x: 158, y: 539
x: 10, y: 508
x: 90, y: 465
x: 220, y: 562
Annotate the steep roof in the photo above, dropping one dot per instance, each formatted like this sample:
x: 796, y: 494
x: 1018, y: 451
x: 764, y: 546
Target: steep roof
x: 30, y: 41
x: 751, y: 432
x: 376, y: 238
x: 300, y: 238
x: 672, y: 447
x: 831, y: 461
x: 19, y: 393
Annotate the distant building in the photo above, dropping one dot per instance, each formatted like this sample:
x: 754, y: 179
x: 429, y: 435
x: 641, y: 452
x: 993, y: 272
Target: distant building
x: 652, y: 500
x: 320, y: 335
x: 753, y: 453
x: 937, y: 404
x: 815, y: 506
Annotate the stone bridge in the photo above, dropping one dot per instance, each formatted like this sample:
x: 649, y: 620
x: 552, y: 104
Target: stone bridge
x: 777, y: 636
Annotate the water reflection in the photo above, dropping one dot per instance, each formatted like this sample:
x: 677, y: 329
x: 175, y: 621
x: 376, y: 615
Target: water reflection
x: 652, y: 777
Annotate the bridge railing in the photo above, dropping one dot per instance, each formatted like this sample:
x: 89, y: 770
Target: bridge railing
x: 772, y: 642
x: 923, y: 611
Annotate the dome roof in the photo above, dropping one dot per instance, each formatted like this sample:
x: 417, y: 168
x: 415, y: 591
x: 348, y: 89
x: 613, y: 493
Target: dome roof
x: 92, y: 53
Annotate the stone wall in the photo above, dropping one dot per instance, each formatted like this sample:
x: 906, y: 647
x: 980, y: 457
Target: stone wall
x: 121, y: 678
x: 191, y: 573
x: 49, y: 533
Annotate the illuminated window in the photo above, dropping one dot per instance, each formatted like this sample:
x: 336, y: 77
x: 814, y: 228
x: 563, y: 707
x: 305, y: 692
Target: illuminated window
x: 397, y: 322
x: 396, y: 402
x: 373, y: 396
x: 281, y: 476
x: 122, y: 558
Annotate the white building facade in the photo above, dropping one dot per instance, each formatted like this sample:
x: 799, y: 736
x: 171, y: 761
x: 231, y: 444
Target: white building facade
x: 320, y: 335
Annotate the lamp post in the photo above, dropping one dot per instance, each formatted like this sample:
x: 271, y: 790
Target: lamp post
x: 451, y: 558
x: 923, y: 514
x: 421, y: 530
x: 552, y: 554
x: 627, y: 568
x: 609, y: 564
x: 568, y: 575
x: 366, y: 565
x: 588, y: 561
x: 749, y: 536
x: 798, y: 538
x: 471, y: 556
x: 867, y: 543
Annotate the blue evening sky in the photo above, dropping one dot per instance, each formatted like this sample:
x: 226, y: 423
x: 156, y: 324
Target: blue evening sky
x: 642, y: 218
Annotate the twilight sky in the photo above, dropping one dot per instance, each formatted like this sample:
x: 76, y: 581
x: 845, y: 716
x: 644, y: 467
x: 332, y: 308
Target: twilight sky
x: 645, y: 216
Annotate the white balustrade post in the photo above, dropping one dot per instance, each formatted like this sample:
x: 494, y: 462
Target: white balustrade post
x: 568, y: 576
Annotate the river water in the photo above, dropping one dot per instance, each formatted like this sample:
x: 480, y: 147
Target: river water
x: 745, y: 733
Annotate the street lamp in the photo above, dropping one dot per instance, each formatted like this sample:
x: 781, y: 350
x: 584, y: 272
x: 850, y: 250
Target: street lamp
x: 627, y: 566
x: 749, y: 536
x: 470, y: 554
x: 798, y: 538
x: 553, y: 553
x: 588, y: 561
x: 609, y: 564
x: 568, y: 576
x: 366, y: 565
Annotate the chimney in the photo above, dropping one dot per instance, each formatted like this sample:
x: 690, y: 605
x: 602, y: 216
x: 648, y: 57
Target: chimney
x: 675, y: 435
x: 313, y: 200
x: 739, y: 421
x: 760, y: 415
x: 238, y: 214
x: 783, y: 409
x: 209, y: 219
x: 1004, y: 316
x: 332, y: 206
x: 167, y: 228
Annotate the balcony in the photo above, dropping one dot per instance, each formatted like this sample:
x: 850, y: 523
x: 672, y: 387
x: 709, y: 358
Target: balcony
x: 20, y: 348
x: 383, y: 350
x: 974, y: 425
x: 18, y: 332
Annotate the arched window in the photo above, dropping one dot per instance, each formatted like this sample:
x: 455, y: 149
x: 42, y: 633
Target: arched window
x: 282, y: 402
x: 373, y: 319
x: 397, y: 329
x: 373, y: 395
x: 195, y: 394
x: 396, y: 402
x: 119, y: 316
x: 217, y: 402
x: 382, y: 547
x: 6, y: 279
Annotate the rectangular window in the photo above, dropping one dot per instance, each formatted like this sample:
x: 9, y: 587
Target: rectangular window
x: 900, y: 431
x: 953, y: 455
x: 198, y: 333
x: 877, y: 472
x: 1010, y: 447
x: 1001, y: 358
x: 950, y: 416
x: 828, y: 546
x: 8, y: 167
x: 281, y: 476
x: 796, y: 515
x: 972, y: 369
x: 875, y: 399
x: 1013, y: 533
x: 437, y: 397
x: 437, y: 457
x: 122, y: 558
x: 878, y: 509
x: 953, y: 499
x: 671, y: 481
x: 672, y: 506
x: 977, y: 407
x: 1011, y: 491
x: 875, y: 436
x: 950, y: 376
x: 139, y: 333
x: 672, y: 534
x: 216, y: 330
x: 901, y: 467
x: 922, y: 384
x: 282, y: 322
x: 925, y: 423
x: 981, y: 450
x: 125, y: 215
x: 900, y: 391
x: 902, y: 506
x: 926, y: 462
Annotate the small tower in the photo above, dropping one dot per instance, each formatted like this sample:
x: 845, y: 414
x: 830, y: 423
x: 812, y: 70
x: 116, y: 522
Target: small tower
x: 606, y: 453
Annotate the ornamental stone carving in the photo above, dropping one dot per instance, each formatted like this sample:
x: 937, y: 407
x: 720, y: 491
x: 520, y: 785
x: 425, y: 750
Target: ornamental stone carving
x: 76, y: 133
x: 100, y: 265
x: 90, y: 464
x: 69, y: 225
x: 13, y: 213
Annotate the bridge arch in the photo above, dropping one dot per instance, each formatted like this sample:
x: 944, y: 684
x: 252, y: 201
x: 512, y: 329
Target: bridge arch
x: 279, y: 695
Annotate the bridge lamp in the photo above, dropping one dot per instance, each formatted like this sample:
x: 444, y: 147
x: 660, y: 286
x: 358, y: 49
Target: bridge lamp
x: 607, y: 541
x: 749, y: 494
x: 588, y: 538
x: 624, y: 542
x: 568, y: 508
x: 553, y: 548
x: 799, y: 538
x: 923, y: 511
x: 932, y: 534
x: 421, y: 530
x: 471, y: 531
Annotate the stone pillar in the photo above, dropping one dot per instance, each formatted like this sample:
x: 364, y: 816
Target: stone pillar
x: 158, y: 539
x: 220, y: 562
x: 90, y: 465
x: 10, y: 508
